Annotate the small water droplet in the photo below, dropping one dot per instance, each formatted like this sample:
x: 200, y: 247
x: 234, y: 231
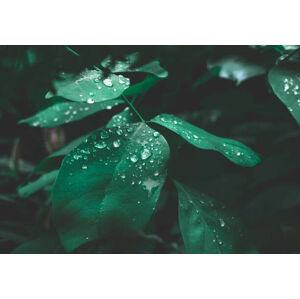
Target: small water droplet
x: 117, y: 143
x: 90, y: 101
x: 119, y: 132
x: 100, y: 144
x: 84, y: 167
x: 104, y: 135
x: 156, y: 134
x: 222, y: 223
x: 134, y: 158
x: 156, y: 173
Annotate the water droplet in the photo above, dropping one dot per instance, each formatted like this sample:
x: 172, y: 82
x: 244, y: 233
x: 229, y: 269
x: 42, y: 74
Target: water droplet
x: 55, y: 119
x: 145, y: 154
x: 100, y: 145
x: 134, y: 158
x: 119, y: 132
x: 107, y: 82
x: 156, y: 173
x: 156, y: 134
x: 238, y: 153
x: 84, y: 167
x: 90, y: 101
x: 104, y: 135
x: 222, y: 223
x: 117, y: 143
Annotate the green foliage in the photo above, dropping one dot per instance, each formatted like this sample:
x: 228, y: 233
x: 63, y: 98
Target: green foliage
x: 205, y: 224
x: 233, y: 150
x: 121, y: 172
x: 62, y: 113
x: 90, y: 87
x: 285, y: 81
x: 104, y: 184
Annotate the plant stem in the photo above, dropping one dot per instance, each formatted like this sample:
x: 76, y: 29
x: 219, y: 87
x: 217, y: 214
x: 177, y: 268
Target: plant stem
x: 132, y: 107
x: 72, y: 51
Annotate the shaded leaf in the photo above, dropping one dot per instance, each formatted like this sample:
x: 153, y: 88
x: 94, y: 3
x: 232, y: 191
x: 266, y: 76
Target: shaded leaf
x: 62, y: 113
x: 90, y: 86
x: 122, y: 118
x: 49, y: 243
x: 152, y: 67
x: 284, y: 79
x: 121, y: 172
x: 40, y: 183
x: 206, y: 226
x: 141, y: 87
x: 237, y: 69
x: 233, y: 150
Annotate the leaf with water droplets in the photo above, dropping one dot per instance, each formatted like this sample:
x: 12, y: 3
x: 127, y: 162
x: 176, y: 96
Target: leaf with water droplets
x: 90, y: 87
x: 107, y: 183
x: 284, y: 79
x: 40, y: 183
x: 233, y: 150
x: 207, y: 226
x: 65, y: 112
x: 152, y: 67
x: 122, y: 118
x: 141, y: 87
x: 237, y: 69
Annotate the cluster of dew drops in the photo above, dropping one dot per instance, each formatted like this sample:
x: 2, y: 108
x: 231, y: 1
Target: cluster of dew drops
x: 146, y: 167
x: 107, y: 82
x: 176, y: 125
x: 290, y: 87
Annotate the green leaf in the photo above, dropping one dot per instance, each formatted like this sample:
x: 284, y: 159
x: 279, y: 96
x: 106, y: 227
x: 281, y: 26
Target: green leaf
x: 121, y: 172
x: 141, y: 87
x: 206, y: 226
x: 40, y: 183
x: 122, y: 118
x: 90, y: 87
x: 233, y: 150
x: 48, y: 243
x: 62, y: 113
x: 152, y: 67
x: 237, y: 69
x: 284, y: 79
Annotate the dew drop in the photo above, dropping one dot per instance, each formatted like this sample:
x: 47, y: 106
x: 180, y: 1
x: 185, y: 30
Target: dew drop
x: 104, y: 135
x: 156, y: 134
x: 134, y: 158
x: 84, y: 167
x: 100, y: 145
x: 117, y: 143
x: 222, y: 223
x: 156, y: 173
x: 107, y: 82
x: 145, y: 154
x: 90, y: 101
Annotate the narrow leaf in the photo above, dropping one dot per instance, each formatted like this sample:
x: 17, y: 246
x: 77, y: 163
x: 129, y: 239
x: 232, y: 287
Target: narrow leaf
x: 206, y: 226
x: 121, y: 172
x: 233, y: 150
x: 62, y: 113
x: 40, y: 183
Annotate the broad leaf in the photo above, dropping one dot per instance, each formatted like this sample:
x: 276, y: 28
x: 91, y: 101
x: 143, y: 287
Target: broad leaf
x: 122, y: 118
x: 121, y: 172
x: 206, y: 226
x: 284, y: 79
x: 235, y: 68
x: 141, y: 87
x: 233, y: 150
x: 62, y: 113
x: 152, y: 67
x: 90, y: 87
x: 40, y: 183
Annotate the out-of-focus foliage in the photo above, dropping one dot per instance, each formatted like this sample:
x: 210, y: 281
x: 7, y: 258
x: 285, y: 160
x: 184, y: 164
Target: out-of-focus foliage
x: 238, y: 93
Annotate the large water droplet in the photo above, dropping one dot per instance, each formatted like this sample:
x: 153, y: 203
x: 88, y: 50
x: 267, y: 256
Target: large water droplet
x: 145, y: 154
x: 107, y: 82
